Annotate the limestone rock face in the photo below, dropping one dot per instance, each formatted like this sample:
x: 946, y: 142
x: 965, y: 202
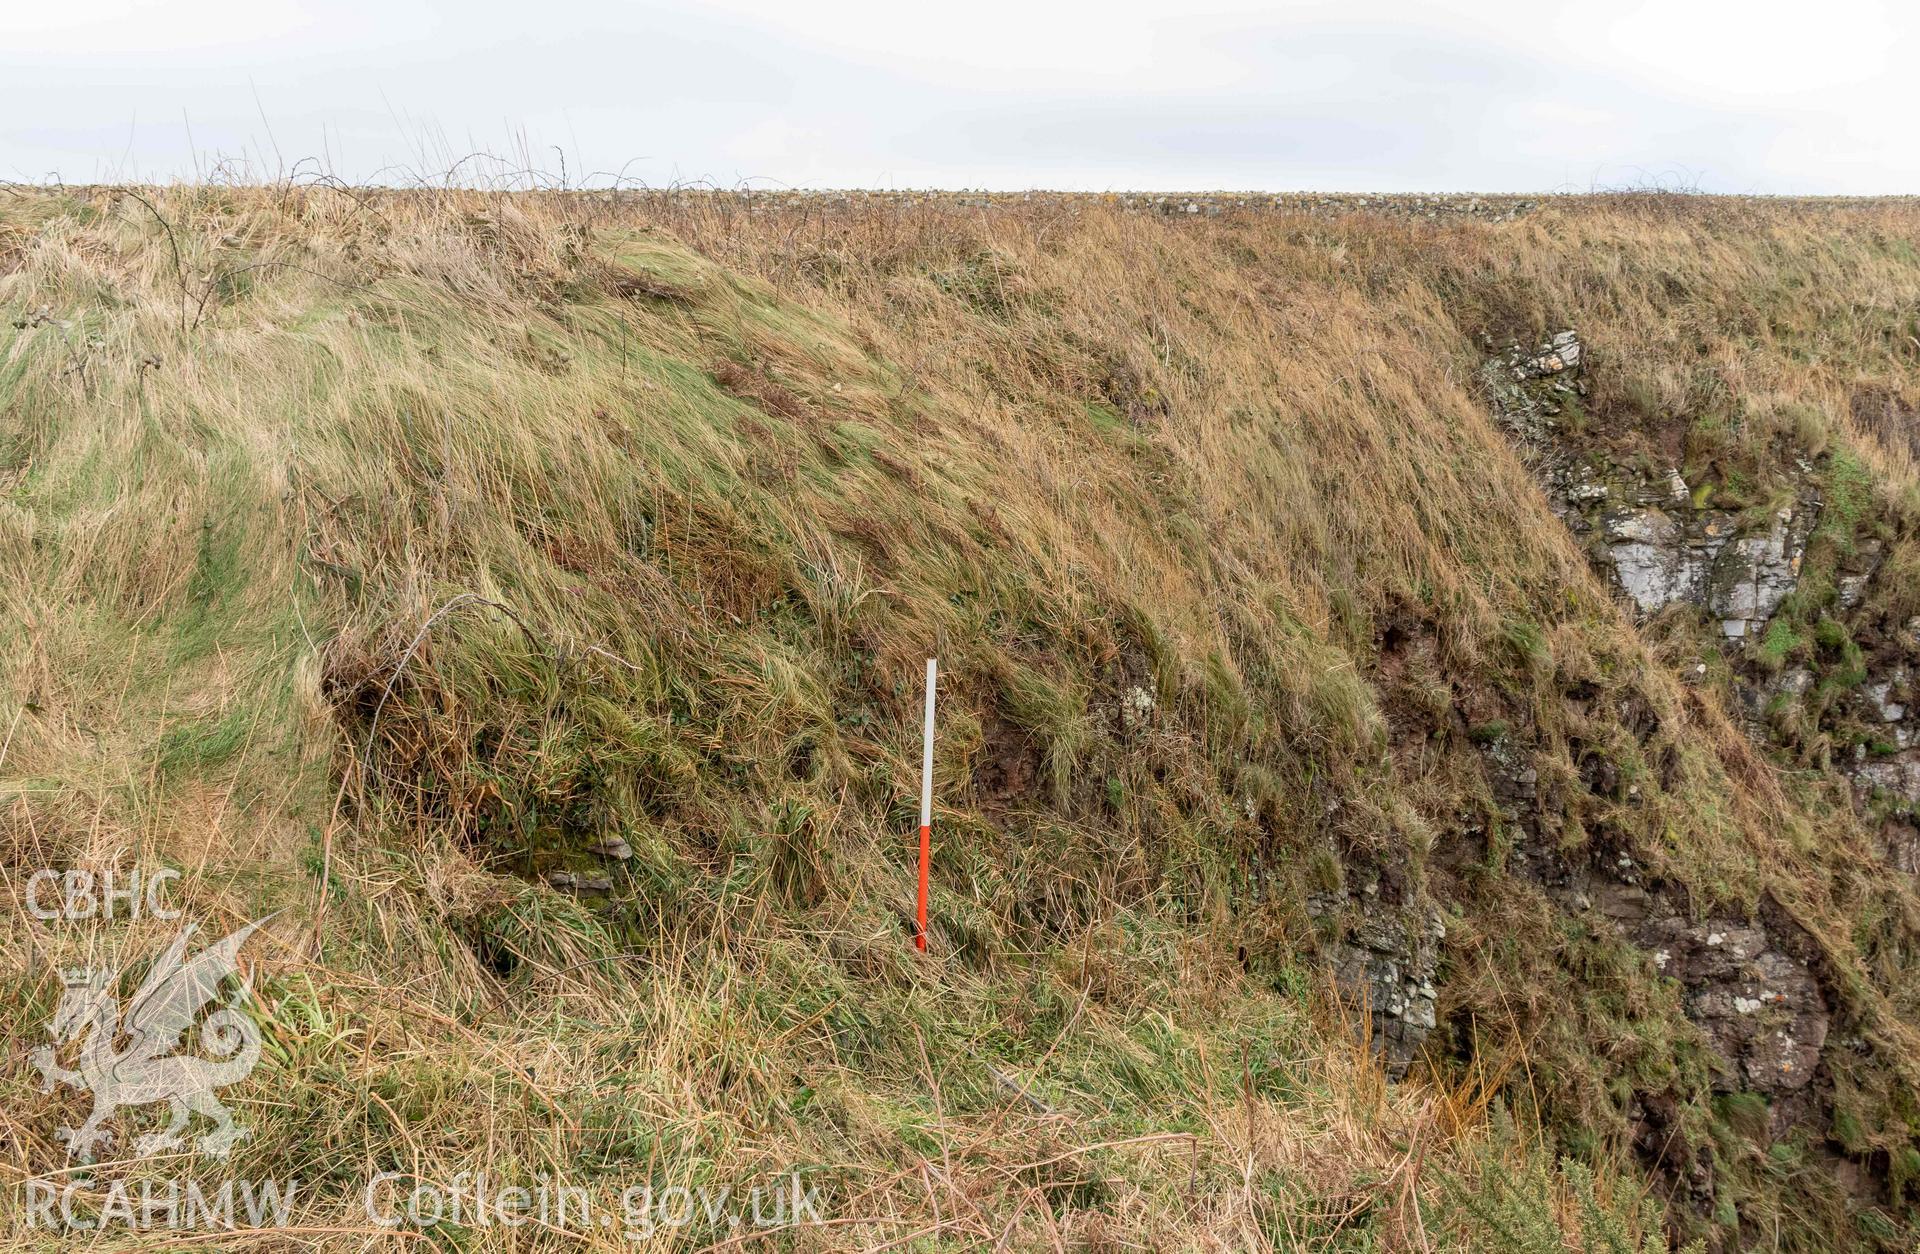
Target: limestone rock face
x: 1750, y: 984
x: 1652, y: 561
x: 1753, y: 574
x: 1669, y: 553
x: 1899, y: 775
x: 1786, y: 562
x: 1384, y: 960
x: 1664, y: 546
x: 1700, y: 557
x: 1884, y: 698
x: 1748, y: 987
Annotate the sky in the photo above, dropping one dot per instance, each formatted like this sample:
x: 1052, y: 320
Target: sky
x: 1400, y: 95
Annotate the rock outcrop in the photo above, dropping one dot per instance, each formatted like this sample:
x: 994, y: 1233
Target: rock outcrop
x: 1784, y: 576
x: 1661, y: 546
x: 1665, y: 543
x: 1384, y: 959
x: 1749, y: 983
x: 1750, y: 988
x: 1669, y: 553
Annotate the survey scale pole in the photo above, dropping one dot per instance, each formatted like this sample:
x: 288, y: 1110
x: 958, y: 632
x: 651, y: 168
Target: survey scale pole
x: 926, y: 810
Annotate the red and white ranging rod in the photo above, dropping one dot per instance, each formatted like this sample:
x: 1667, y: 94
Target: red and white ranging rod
x: 926, y: 810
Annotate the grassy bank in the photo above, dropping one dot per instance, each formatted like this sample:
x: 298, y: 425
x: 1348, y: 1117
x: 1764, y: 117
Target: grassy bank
x: 372, y: 557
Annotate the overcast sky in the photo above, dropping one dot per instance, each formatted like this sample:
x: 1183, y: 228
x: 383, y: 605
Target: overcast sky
x: 1481, y: 95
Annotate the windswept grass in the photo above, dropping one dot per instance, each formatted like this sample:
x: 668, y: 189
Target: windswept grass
x: 372, y: 557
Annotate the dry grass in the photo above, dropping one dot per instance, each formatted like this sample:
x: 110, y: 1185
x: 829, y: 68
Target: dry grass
x: 662, y: 504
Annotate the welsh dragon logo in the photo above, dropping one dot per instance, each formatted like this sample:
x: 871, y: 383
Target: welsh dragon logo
x: 150, y: 1067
